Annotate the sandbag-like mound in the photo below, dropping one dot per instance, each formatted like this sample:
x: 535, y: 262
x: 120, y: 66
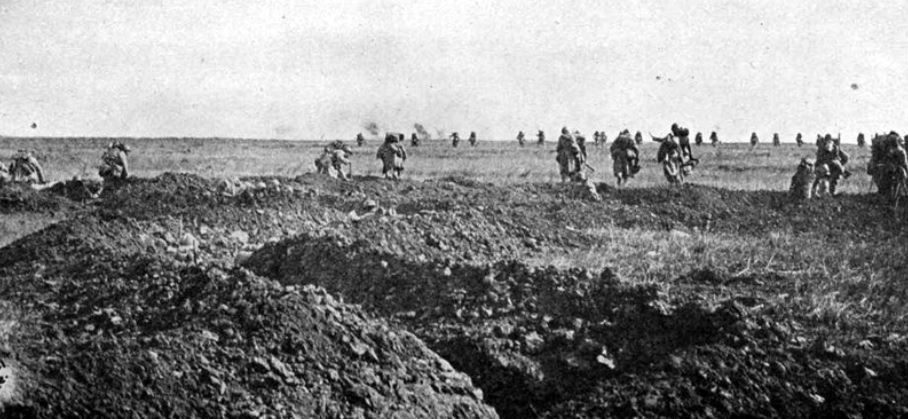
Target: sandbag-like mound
x: 106, y: 329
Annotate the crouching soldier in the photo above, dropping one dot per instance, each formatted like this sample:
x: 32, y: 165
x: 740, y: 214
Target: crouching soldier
x: 831, y: 161
x: 888, y: 164
x: 334, y: 158
x: 802, y: 181
x: 25, y: 168
x: 114, y: 165
x: 393, y: 155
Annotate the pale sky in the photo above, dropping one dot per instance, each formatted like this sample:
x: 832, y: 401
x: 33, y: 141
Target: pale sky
x: 310, y: 70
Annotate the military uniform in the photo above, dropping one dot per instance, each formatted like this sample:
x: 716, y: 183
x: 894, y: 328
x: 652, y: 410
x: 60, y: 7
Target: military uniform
x: 698, y: 140
x: 802, y: 181
x: 713, y: 138
x: 393, y: 155
x: 799, y: 139
x: 455, y: 139
x: 360, y: 140
x: 568, y: 155
x: 114, y: 163
x: 861, y: 141
x: 25, y: 168
x: 638, y: 138
x: 754, y: 140
x: 831, y: 160
x: 414, y: 140
x: 625, y: 157
x: 888, y: 162
x: 521, y: 138
x: 472, y: 139
x: 775, y: 140
x: 540, y: 137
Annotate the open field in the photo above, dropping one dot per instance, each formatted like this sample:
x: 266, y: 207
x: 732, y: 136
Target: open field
x: 732, y: 165
x: 478, y: 286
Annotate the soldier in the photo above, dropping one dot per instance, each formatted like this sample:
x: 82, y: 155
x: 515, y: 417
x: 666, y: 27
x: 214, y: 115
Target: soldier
x: 861, y: 141
x: 540, y: 137
x: 799, y: 139
x: 455, y: 139
x: 393, y: 155
x: 683, y: 137
x: 4, y: 174
x: 713, y: 139
x: 581, y: 142
x: 114, y: 164
x: 753, y: 140
x: 521, y: 138
x: 603, y: 137
x: 360, y: 140
x: 472, y: 139
x: 334, y: 158
x: 25, y: 168
x: 775, y: 140
x: 802, y: 181
x: 888, y: 162
x: 672, y: 159
x: 831, y: 161
x: 414, y: 140
x: 625, y: 157
x: 568, y: 155
x: 698, y: 139
x: 638, y: 138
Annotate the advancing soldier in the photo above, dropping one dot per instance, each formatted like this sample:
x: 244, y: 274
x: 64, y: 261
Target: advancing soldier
x: 335, y: 156
x: 775, y: 140
x: 799, y: 140
x: 472, y: 139
x: 888, y: 162
x: 754, y: 140
x: 625, y: 157
x: 603, y: 138
x: 802, y: 181
x: 581, y: 142
x: 521, y: 138
x: 393, y: 155
x: 683, y: 137
x: 540, y: 137
x: 414, y: 140
x: 455, y: 139
x: 25, y: 168
x: 638, y: 138
x: 831, y: 161
x: 698, y: 139
x: 568, y: 155
x: 861, y: 141
x: 713, y: 139
x: 360, y: 140
x: 672, y: 159
x: 114, y: 165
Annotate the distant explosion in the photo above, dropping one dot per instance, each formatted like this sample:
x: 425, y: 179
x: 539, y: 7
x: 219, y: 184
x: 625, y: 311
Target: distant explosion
x: 421, y: 132
x: 372, y: 127
x: 441, y: 133
x: 854, y: 86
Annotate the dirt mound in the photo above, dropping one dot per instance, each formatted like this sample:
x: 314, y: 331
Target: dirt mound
x: 110, y: 330
x: 572, y: 343
x: 20, y: 197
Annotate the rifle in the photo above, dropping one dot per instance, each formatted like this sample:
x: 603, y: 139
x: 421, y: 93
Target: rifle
x: 589, y: 167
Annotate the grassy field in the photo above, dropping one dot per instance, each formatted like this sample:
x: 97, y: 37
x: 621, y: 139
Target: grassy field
x: 732, y: 166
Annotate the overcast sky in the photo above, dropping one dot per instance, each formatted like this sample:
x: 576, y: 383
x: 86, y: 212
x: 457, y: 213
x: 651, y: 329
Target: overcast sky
x: 299, y: 69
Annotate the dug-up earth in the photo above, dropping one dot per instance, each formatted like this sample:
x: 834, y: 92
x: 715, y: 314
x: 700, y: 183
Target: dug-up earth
x: 181, y: 296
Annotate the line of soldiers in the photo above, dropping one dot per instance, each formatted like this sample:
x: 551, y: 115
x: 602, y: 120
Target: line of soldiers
x: 25, y: 167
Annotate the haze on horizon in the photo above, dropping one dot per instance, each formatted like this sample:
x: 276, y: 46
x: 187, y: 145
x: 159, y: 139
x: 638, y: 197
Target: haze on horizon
x: 312, y: 70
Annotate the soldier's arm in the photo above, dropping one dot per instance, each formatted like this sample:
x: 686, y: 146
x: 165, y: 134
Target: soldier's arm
x: 38, y: 169
x: 843, y: 156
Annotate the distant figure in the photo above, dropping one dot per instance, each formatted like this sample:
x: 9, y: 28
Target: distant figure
x: 540, y: 137
x: 753, y: 140
x: 414, y: 140
x: 698, y: 139
x: 568, y: 155
x: 455, y: 139
x: 802, y: 181
x: 114, y: 164
x: 861, y: 142
x: 26, y: 169
x: 672, y: 160
x: 603, y: 138
x: 775, y: 140
x: 888, y: 162
x: 713, y: 139
x: 638, y: 138
x: 360, y: 140
x: 830, y: 163
x: 334, y: 158
x: 625, y: 157
x: 393, y: 155
x: 472, y: 140
x: 800, y: 141
x: 521, y: 138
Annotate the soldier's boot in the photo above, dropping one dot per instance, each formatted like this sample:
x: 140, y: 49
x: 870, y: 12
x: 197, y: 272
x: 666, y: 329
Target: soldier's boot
x: 832, y: 186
